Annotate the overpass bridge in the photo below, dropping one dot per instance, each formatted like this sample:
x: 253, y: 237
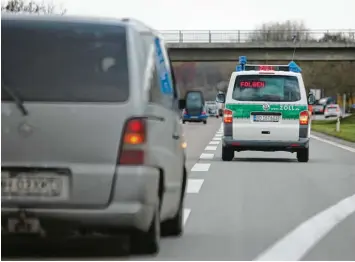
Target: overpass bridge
x: 320, y: 45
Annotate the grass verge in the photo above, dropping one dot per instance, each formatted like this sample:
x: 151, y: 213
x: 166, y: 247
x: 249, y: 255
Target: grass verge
x: 347, y: 128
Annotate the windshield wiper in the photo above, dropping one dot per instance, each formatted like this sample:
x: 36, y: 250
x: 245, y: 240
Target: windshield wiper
x: 16, y: 99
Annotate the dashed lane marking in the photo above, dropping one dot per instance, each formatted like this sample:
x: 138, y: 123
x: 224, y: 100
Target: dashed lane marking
x: 194, y: 186
x: 214, y: 142
x: 211, y: 148
x: 200, y: 167
x: 187, y: 213
x: 217, y: 138
x: 206, y: 156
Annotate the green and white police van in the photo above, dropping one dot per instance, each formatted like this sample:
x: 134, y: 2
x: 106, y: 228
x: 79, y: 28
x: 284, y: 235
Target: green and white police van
x: 266, y: 109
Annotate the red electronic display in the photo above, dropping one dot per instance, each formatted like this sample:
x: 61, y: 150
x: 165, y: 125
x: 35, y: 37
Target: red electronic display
x: 252, y: 84
x: 266, y: 68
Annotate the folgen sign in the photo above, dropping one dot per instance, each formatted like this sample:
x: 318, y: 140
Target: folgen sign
x: 252, y: 84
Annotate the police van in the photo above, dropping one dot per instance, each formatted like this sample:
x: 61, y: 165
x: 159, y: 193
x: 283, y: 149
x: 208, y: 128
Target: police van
x: 266, y: 109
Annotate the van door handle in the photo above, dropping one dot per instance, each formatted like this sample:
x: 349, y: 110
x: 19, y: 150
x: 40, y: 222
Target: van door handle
x: 175, y: 136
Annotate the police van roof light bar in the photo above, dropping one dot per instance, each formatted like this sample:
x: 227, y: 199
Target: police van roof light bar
x: 243, y: 66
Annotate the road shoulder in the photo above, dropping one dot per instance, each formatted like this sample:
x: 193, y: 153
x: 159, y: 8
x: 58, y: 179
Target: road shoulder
x: 334, y: 139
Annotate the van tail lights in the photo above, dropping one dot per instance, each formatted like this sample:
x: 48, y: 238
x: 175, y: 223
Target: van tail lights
x: 304, y: 118
x: 227, y: 116
x: 133, y: 141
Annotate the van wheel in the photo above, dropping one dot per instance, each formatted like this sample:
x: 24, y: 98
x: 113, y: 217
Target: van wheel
x: 217, y: 116
x: 205, y: 122
x: 175, y: 226
x: 303, y: 155
x: 148, y: 242
x: 183, y: 121
x: 227, y: 154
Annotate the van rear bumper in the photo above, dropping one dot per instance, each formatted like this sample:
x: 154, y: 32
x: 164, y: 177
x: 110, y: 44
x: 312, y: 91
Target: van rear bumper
x: 131, y: 206
x: 267, y: 146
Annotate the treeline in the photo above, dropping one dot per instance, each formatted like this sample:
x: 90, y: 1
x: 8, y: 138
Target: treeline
x: 210, y: 77
x: 332, y: 77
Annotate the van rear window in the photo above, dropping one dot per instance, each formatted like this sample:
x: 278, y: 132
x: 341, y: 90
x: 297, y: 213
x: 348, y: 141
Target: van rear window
x: 64, y: 61
x: 278, y: 88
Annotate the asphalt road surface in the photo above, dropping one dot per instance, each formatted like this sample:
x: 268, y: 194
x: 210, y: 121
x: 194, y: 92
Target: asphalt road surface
x: 261, y: 206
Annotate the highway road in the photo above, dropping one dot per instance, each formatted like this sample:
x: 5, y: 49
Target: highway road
x: 261, y: 206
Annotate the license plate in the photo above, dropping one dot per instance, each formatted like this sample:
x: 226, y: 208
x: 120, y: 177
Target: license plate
x: 194, y: 116
x: 266, y: 118
x: 332, y: 109
x: 24, y: 226
x: 32, y: 185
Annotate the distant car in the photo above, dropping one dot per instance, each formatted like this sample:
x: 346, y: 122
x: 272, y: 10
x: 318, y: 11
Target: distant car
x: 212, y: 109
x: 320, y: 105
x: 332, y: 111
x: 195, y: 110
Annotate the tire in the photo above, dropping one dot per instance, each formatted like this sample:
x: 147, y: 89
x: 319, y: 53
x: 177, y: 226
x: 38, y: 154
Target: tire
x: 205, y: 122
x: 227, y: 154
x: 183, y: 121
x: 303, y: 155
x: 175, y: 226
x: 217, y: 116
x: 148, y: 243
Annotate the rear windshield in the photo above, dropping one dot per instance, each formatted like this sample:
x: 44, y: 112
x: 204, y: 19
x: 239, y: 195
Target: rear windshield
x: 220, y: 97
x: 266, y: 88
x: 194, y: 100
x: 64, y: 61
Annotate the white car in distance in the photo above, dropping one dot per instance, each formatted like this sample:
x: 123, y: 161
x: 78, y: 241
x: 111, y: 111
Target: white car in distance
x: 333, y: 110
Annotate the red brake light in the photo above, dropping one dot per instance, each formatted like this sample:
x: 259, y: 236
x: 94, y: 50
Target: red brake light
x: 184, y: 112
x: 203, y: 113
x: 227, y: 116
x: 304, y: 118
x: 134, y: 136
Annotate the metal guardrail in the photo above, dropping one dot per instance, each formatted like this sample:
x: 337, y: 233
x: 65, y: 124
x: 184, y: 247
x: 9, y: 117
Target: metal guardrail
x: 243, y: 36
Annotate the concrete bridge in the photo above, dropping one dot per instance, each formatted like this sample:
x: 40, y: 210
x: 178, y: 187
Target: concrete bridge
x: 212, y: 46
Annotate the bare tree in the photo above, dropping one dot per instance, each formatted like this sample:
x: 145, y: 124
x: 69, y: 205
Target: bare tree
x: 21, y: 6
x: 284, y: 31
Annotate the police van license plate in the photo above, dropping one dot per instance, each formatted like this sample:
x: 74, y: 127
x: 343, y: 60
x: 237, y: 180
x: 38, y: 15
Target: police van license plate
x: 266, y: 118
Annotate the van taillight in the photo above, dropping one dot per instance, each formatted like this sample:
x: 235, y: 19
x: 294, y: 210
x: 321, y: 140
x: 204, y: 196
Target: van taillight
x: 227, y: 116
x: 304, y: 118
x: 133, y: 140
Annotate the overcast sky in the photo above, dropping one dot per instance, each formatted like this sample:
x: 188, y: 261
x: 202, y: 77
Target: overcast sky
x: 220, y: 14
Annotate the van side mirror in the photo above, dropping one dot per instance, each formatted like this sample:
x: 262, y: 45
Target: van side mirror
x: 311, y: 99
x: 182, y: 103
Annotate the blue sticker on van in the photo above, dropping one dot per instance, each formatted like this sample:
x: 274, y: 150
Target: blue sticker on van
x: 165, y: 83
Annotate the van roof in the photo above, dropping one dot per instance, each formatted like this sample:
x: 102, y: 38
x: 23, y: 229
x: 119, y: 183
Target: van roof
x: 125, y: 22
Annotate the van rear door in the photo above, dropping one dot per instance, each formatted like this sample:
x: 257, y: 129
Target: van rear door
x: 74, y: 81
x: 266, y: 107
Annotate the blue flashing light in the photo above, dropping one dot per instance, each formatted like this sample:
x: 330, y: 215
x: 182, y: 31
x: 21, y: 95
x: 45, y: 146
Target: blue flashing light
x: 239, y: 68
x: 294, y: 67
x: 242, y: 60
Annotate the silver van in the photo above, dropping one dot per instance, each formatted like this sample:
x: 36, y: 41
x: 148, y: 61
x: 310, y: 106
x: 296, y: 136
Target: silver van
x: 91, y: 132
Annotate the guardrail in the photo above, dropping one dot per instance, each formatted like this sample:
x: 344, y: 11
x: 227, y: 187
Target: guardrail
x: 242, y: 36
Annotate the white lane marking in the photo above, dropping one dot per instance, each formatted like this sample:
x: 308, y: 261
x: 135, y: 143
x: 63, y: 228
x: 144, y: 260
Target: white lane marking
x: 214, y: 143
x: 219, y: 134
x: 298, y: 242
x: 194, y: 186
x: 211, y: 148
x: 217, y: 138
x: 206, y: 156
x: 334, y: 144
x: 200, y: 167
x: 186, y: 214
